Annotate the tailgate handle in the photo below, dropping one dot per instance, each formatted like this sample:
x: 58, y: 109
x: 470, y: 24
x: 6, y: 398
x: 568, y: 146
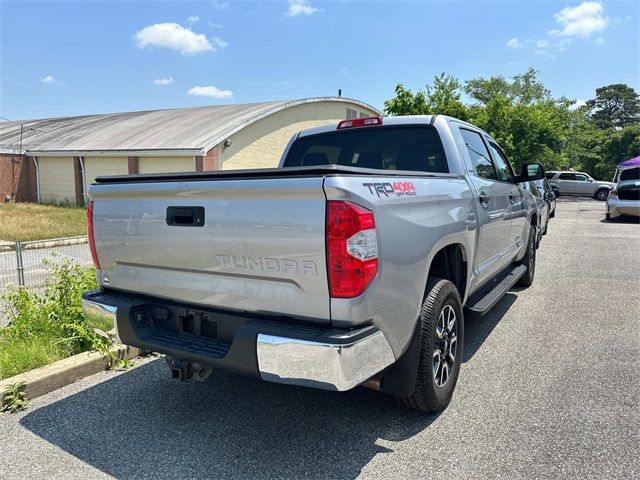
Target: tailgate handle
x: 185, y: 216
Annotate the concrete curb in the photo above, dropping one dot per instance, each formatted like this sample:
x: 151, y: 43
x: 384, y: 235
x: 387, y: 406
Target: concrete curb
x: 68, y: 370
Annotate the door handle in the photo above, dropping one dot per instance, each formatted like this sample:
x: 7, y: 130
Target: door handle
x: 484, y: 199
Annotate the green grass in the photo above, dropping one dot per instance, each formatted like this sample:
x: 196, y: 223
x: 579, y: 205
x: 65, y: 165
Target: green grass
x: 32, y: 221
x: 24, y: 354
x: 46, y: 327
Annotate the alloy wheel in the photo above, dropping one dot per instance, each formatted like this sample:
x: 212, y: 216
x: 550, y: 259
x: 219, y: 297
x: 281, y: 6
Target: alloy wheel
x: 445, y: 345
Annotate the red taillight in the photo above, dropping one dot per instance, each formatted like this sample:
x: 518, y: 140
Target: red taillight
x: 352, y: 249
x: 92, y: 243
x: 360, y: 122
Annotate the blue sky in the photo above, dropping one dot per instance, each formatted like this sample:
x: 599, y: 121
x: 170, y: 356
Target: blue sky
x: 70, y: 57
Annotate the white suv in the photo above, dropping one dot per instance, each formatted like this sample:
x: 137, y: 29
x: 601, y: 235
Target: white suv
x: 578, y: 183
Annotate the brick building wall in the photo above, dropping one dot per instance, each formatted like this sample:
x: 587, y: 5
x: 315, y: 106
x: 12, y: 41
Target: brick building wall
x: 17, y: 173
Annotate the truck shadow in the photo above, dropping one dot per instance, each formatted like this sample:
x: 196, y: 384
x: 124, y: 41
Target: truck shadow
x: 140, y: 424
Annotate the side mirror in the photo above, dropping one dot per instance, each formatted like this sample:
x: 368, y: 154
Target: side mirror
x: 531, y: 172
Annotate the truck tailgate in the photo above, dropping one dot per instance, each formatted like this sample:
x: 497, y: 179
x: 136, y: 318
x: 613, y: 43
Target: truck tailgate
x: 260, y: 246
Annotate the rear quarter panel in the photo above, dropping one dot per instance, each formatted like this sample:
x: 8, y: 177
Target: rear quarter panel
x: 412, y: 226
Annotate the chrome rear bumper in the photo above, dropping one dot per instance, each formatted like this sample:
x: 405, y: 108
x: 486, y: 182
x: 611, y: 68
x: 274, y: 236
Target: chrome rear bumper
x: 100, y: 315
x: 330, y: 366
x: 329, y: 359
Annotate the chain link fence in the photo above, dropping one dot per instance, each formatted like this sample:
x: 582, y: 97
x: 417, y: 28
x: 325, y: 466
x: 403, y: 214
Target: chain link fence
x: 23, y: 263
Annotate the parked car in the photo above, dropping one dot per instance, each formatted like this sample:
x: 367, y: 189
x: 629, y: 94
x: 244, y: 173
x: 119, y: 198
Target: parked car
x: 579, y: 183
x: 537, y: 198
x: 349, y: 264
x: 549, y: 195
x: 624, y: 198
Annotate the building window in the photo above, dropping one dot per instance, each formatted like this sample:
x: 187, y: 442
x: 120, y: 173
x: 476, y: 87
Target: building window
x: 364, y: 115
x: 351, y: 114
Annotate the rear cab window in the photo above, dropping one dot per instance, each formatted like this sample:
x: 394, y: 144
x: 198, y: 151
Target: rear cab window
x: 397, y: 147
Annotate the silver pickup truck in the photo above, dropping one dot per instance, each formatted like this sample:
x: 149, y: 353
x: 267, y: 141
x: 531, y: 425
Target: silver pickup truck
x: 349, y: 264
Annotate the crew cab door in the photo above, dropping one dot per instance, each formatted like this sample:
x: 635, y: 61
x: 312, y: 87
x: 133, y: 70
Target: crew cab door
x: 566, y: 183
x: 493, y: 206
x: 517, y: 205
x: 582, y: 185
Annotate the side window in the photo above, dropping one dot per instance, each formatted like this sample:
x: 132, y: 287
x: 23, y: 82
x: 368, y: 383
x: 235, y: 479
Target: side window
x: 580, y: 178
x: 567, y: 176
x: 480, y: 159
x: 502, y: 164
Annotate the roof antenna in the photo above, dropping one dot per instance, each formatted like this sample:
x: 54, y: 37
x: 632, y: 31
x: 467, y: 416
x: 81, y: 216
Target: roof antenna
x: 339, y: 92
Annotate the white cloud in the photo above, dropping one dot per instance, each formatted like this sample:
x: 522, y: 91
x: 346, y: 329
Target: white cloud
x: 51, y: 80
x: 173, y: 36
x: 300, y: 7
x: 214, y: 25
x: 219, y: 42
x: 210, y: 91
x: 193, y: 18
x: 580, y: 21
x: 220, y: 5
x: 163, y: 81
x: 579, y: 103
x: 542, y: 43
x: 600, y: 41
x: 514, y: 43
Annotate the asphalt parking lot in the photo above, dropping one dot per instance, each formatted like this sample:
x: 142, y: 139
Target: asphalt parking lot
x: 550, y: 387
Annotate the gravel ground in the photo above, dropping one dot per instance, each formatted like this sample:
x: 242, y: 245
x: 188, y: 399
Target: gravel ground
x: 550, y: 388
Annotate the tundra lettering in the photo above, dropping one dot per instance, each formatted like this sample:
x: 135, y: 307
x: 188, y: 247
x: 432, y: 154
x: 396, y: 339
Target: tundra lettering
x: 267, y: 264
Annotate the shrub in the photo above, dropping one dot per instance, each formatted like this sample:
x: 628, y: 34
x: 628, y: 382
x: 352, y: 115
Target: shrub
x: 49, y: 325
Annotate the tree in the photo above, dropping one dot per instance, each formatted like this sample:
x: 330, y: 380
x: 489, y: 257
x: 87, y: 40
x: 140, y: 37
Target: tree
x: 618, y: 146
x: 442, y: 97
x: 406, y: 103
x: 616, y: 105
x: 522, y: 116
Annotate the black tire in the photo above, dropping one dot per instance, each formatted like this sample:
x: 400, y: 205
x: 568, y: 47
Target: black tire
x: 546, y: 225
x: 601, y: 194
x: 442, y: 298
x: 552, y: 214
x: 529, y: 260
x: 609, y: 218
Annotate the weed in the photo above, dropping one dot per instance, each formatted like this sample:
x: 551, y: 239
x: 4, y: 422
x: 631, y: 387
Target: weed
x: 49, y: 326
x: 13, y: 398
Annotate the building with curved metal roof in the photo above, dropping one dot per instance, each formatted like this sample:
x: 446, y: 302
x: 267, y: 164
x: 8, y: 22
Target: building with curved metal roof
x: 55, y: 159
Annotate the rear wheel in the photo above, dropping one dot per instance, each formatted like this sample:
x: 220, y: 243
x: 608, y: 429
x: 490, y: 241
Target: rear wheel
x: 529, y: 260
x: 552, y: 214
x: 609, y: 218
x: 441, y: 347
x: 602, y: 194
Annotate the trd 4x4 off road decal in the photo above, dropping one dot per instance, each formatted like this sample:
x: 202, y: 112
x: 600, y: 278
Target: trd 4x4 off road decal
x: 395, y: 189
